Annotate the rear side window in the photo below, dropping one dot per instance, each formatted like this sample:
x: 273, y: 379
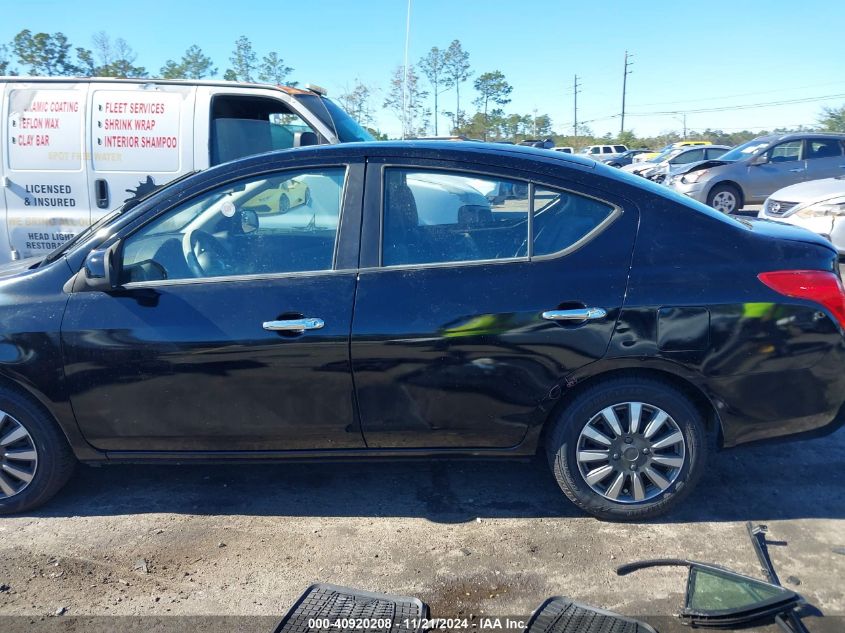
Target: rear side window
x: 562, y: 219
x: 440, y: 217
x: 433, y: 217
x: 824, y: 148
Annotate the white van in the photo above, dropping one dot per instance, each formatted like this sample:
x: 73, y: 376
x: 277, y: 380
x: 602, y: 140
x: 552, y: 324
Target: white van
x: 71, y: 150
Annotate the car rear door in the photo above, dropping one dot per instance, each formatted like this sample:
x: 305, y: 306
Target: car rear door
x: 450, y: 348
x: 250, y: 352
x: 825, y: 158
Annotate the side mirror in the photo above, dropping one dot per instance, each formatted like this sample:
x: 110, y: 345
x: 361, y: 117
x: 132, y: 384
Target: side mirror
x: 304, y: 139
x: 102, y: 270
x: 760, y: 159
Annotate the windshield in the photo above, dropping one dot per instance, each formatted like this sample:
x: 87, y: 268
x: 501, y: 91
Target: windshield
x: 745, y: 150
x: 335, y: 118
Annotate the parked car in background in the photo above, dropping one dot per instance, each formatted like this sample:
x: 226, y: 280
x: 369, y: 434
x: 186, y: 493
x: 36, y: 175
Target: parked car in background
x: 651, y: 155
x: 751, y: 172
x: 603, y: 151
x: 543, y: 144
x: 372, y: 323
x: 564, y: 149
x: 817, y: 205
x: 678, y: 159
x: 625, y: 158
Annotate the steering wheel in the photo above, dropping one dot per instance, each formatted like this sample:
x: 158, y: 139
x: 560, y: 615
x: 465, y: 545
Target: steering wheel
x: 204, y: 254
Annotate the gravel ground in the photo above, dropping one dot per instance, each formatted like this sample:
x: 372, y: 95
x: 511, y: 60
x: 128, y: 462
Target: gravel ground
x: 468, y: 538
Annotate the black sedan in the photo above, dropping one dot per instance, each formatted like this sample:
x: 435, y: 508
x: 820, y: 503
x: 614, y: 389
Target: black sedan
x: 420, y: 299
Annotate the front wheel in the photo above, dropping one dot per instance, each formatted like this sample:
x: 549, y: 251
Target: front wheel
x: 35, y: 459
x: 628, y: 449
x: 724, y: 198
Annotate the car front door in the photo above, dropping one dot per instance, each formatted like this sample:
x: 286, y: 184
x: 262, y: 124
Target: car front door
x: 479, y: 292
x: 230, y: 330
x: 825, y: 158
x: 783, y: 165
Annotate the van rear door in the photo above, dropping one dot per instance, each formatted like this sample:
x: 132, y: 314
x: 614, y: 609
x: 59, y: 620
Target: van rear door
x: 46, y: 181
x: 141, y: 137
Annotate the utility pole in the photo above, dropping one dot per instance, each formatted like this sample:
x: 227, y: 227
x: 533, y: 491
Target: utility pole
x: 685, y: 126
x: 624, y: 89
x: 405, y: 75
x: 575, y: 92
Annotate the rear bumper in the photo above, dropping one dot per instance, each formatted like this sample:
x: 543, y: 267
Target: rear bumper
x: 785, y: 405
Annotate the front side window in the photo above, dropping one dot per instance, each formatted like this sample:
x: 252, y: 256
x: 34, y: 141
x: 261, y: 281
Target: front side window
x: 279, y: 223
x: 785, y: 152
x: 435, y: 217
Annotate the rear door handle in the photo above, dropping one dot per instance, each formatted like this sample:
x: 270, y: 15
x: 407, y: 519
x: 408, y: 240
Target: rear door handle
x: 579, y: 314
x: 293, y: 325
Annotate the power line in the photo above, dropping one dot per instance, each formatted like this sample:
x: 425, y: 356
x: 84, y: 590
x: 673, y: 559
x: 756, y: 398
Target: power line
x: 746, y: 106
x: 743, y: 94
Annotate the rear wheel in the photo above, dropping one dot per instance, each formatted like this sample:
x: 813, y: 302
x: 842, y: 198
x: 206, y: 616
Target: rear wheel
x: 35, y: 459
x: 284, y: 203
x: 628, y: 449
x: 725, y: 198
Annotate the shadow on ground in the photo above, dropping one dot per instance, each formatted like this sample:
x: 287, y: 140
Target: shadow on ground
x: 780, y: 481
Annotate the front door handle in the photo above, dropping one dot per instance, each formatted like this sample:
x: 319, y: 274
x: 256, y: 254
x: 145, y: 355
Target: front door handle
x: 797, y: 170
x: 293, y: 325
x: 580, y: 314
x: 101, y: 188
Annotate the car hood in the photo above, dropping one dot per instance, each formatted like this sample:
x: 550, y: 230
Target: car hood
x: 781, y: 231
x: 18, y: 268
x: 702, y: 164
x: 812, y: 191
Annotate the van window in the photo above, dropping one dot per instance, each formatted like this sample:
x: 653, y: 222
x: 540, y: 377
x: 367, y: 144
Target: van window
x: 244, y: 125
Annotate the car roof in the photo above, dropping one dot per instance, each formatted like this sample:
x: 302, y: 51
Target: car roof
x: 799, y: 135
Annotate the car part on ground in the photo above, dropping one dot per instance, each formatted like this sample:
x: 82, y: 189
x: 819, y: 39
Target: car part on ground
x: 324, y: 607
x: 716, y: 597
x: 562, y: 615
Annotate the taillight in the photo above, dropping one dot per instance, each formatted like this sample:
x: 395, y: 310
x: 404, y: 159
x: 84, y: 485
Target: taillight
x: 814, y: 285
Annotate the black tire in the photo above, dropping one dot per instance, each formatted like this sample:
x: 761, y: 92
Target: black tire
x: 563, y: 441
x: 721, y: 193
x: 284, y: 203
x: 55, y: 460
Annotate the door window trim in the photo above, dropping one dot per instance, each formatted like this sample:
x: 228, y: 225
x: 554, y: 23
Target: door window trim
x: 344, y: 201
x: 532, y: 184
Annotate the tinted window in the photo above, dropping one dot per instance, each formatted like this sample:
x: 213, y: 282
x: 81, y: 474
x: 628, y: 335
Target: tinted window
x: 607, y: 149
x: 619, y: 148
x: 785, y: 152
x: 714, y: 152
x: 285, y: 222
x: 435, y: 216
x: 562, y: 218
x: 824, y: 148
x: 692, y: 156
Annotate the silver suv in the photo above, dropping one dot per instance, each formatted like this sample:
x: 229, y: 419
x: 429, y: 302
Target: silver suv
x: 751, y: 172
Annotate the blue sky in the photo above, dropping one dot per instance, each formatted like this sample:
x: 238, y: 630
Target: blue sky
x: 687, y: 55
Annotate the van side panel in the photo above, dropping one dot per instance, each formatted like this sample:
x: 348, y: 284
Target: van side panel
x: 44, y: 162
x: 141, y: 137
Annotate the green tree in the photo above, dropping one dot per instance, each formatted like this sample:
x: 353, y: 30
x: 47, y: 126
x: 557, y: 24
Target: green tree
x: 273, y: 70
x: 5, y: 61
x: 492, y: 89
x: 408, y: 102
x: 628, y: 138
x: 433, y: 66
x: 44, y: 54
x: 108, y: 59
x: 193, y: 65
x: 457, y: 71
x: 542, y: 125
x: 357, y: 103
x: 244, y: 61
x: 833, y: 119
